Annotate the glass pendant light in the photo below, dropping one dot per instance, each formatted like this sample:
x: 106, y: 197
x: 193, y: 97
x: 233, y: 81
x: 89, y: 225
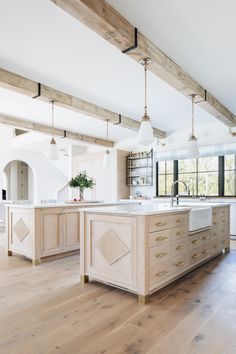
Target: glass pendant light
x: 145, y: 133
x: 193, y: 150
x: 53, y: 153
x: 107, y: 155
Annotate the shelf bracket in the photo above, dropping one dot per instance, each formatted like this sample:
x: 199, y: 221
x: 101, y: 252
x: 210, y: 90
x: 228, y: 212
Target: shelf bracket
x: 135, y: 42
x: 39, y: 91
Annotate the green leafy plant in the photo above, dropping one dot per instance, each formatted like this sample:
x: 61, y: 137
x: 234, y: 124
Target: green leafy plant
x: 82, y: 181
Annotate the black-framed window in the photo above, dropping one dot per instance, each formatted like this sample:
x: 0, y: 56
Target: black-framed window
x: 230, y: 175
x: 205, y: 176
x: 165, y: 177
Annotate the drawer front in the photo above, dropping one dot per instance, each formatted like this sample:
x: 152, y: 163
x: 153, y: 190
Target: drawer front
x: 179, y: 264
x: 199, y: 239
x: 215, y: 233
x: 225, y: 243
x: 179, y: 247
x: 178, y: 233
x: 159, y: 238
x: 163, y: 222
x: 195, y: 255
x: 195, y: 241
x: 206, y: 250
x: 159, y: 254
x: 206, y: 236
x: 215, y: 246
x: 159, y: 273
x: 221, y: 211
x: 224, y: 220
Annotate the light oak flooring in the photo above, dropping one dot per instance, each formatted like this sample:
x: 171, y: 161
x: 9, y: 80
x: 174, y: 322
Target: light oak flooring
x: 44, y: 310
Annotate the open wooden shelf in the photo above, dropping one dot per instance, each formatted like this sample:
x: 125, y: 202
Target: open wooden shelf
x: 142, y: 179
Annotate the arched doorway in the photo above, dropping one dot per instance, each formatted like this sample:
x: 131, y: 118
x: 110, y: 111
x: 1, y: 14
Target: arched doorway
x: 18, y: 182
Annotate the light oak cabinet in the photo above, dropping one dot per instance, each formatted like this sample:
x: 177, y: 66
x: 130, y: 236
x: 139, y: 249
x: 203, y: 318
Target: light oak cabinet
x: 59, y: 231
x: 145, y: 253
x: 40, y: 233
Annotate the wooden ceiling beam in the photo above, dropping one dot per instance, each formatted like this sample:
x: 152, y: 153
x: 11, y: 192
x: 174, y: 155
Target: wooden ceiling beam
x: 102, y: 18
x: 32, y: 88
x: 40, y: 128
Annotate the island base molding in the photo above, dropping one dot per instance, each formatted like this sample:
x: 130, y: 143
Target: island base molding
x: 144, y: 253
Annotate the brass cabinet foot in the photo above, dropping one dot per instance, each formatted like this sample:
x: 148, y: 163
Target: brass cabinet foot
x: 35, y: 261
x: 9, y: 253
x: 143, y: 299
x: 227, y: 249
x: 84, y: 279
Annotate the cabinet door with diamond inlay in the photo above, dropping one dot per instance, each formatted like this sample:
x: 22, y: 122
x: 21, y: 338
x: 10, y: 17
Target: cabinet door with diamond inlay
x: 20, y: 231
x: 113, y: 250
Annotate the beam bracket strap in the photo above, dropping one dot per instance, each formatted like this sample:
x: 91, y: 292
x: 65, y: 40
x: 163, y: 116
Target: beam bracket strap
x: 39, y: 91
x: 135, y: 42
x: 205, y: 98
x: 65, y: 134
x: 119, y: 121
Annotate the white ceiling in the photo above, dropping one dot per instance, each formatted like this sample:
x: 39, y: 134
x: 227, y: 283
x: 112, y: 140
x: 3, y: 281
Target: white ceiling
x: 197, y: 35
x: 40, y: 41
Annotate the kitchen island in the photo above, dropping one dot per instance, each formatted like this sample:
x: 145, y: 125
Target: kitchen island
x: 142, y: 248
x: 45, y: 231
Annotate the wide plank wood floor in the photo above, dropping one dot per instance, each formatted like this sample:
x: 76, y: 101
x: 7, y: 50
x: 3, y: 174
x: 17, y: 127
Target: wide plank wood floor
x: 45, y: 310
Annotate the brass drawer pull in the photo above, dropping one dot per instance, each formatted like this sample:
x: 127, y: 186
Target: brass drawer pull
x: 195, y: 241
x: 161, y: 238
x: 179, y: 248
x: 179, y: 220
x: 196, y: 255
x: 161, y: 273
x: 178, y: 264
x: 205, y: 251
x: 161, y: 223
x: 162, y: 254
x: 179, y: 233
x: 205, y: 237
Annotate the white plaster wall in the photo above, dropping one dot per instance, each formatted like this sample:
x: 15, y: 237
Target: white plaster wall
x: 48, y: 179
x: 213, y: 139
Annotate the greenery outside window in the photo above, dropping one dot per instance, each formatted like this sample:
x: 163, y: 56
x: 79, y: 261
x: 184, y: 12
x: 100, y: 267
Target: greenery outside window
x: 205, y: 176
x: 230, y: 175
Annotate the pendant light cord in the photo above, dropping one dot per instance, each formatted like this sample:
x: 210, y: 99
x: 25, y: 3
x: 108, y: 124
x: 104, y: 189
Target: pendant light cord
x: 193, y: 107
x: 52, y: 131
x: 193, y: 114
x: 145, y: 88
x: 107, y: 132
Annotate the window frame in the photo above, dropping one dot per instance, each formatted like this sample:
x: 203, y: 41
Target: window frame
x: 221, y: 178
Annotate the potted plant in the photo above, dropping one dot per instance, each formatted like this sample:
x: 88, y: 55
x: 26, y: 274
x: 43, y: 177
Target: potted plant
x: 81, y: 181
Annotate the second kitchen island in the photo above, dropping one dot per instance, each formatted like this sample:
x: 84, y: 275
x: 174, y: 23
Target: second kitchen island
x: 143, y: 248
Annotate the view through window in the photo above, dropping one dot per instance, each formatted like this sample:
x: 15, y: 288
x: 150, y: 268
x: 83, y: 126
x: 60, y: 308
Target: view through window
x: 204, y: 176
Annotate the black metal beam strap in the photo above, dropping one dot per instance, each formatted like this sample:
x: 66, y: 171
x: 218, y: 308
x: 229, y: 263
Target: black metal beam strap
x: 64, y: 133
x: 205, y: 98
x: 39, y: 91
x: 135, y: 42
x: 119, y: 121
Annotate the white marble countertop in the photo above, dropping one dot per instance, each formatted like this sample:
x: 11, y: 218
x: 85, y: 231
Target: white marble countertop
x: 148, y: 209
x: 74, y: 205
